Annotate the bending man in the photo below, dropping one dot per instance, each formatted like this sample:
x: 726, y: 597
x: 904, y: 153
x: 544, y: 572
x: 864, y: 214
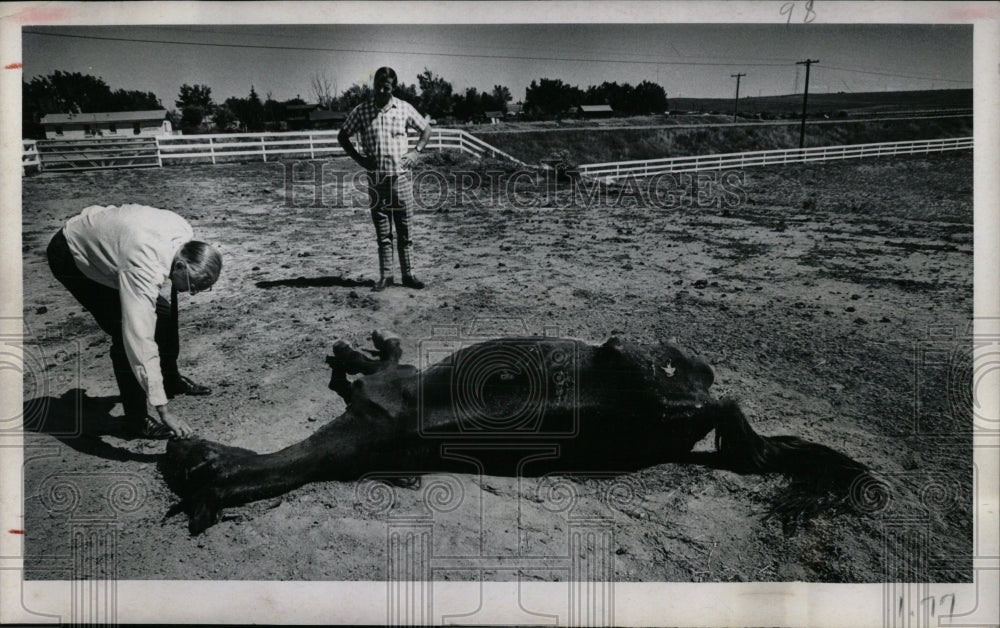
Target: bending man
x: 117, y: 262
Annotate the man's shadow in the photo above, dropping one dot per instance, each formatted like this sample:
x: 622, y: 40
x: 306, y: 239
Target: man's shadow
x: 317, y: 282
x: 79, y: 421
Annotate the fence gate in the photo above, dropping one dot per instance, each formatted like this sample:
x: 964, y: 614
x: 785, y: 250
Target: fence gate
x: 90, y: 154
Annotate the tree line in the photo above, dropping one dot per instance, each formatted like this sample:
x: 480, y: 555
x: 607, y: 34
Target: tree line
x: 433, y: 95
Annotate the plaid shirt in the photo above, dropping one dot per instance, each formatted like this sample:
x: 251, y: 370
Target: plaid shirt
x: 383, y: 131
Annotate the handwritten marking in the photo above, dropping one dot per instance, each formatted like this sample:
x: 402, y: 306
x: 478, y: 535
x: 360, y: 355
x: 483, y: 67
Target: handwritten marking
x: 934, y: 606
x: 789, y: 7
x: 15, y: 531
x: 13, y: 66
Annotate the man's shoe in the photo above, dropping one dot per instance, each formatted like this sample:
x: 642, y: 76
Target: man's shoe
x: 412, y: 282
x: 383, y: 283
x: 155, y: 430
x: 183, y: 386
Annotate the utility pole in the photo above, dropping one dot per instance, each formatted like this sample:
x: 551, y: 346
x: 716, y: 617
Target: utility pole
x: 736, y: 105
x: 805, y: 100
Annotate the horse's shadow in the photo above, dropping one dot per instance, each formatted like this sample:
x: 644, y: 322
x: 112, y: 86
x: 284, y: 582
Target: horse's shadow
x: 80, y: 421
x: 317, y: 282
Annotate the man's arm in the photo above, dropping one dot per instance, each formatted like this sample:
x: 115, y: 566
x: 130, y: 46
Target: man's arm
x: 138, y: 336
x: 178, y: 426
x: 425, y: 136
x: 368, y: 163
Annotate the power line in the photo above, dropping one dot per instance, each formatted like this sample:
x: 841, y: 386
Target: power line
x: 402, y: 52
x: 478, y: 44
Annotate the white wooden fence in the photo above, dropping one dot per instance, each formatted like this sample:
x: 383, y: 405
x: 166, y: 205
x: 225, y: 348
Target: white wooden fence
x: 67, y: 155
x: 612, y: 171
x: 311, y: 144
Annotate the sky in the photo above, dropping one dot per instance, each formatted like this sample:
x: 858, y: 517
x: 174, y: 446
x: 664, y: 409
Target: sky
x: 688, y: 60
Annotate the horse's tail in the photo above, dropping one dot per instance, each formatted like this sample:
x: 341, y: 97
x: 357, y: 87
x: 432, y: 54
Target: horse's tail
x: 820, y: 469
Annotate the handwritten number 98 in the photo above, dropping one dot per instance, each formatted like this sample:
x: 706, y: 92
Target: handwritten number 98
x: 788, y: 9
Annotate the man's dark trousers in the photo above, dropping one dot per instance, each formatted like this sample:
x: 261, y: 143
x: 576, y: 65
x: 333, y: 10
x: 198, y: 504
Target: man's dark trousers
x: 104, y: 305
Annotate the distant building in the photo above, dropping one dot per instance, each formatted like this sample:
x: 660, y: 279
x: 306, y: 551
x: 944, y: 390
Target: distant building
x: 311, y: 116
x: 323, y: 119
x: 493, y: 117
x: 75, y: 126
x: 595, y: 111
x: 515, y: 109
x: 297, y: 116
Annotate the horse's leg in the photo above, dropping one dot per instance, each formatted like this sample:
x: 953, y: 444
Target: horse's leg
x: 346, y: 360
x: 388, y: 346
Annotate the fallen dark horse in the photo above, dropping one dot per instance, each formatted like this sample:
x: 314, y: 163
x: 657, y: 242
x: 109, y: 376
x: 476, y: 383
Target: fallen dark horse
x: 612, y: 407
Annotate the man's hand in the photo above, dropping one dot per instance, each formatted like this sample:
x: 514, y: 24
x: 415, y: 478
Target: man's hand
x: 410, y: 158
x: 178, y: 426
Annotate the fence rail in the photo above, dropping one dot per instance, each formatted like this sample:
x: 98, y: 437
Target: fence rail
x: 301, y: 144
x: 66, y: 155
x: 612, y: 171
x: 90, y: 154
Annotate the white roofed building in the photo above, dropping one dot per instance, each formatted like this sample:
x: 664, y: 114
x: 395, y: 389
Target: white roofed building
x: 75, y: 126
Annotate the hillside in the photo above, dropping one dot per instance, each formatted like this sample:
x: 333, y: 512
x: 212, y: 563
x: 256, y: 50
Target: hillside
x: 850, y: 103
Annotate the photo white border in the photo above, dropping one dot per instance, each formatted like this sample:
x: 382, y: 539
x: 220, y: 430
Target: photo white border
x: 772, y: 604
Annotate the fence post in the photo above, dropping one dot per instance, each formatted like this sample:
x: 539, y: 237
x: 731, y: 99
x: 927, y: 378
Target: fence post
x: 263, y: 148
x: 211, y: 148
x: 312, y: 154
x: 159, y: 157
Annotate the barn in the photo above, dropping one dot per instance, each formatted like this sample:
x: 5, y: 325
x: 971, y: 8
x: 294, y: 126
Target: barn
x: 75, y: 126
x: 595, y: 111
x: 493, y: 117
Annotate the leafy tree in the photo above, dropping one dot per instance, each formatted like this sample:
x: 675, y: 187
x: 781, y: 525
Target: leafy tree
x: 133, y: 100
x: 551, y: 97
x: 249, y: 111
x: 192, y: 116
x: 467, y: 106
x: 274, y: 111
x: 223, y: 118
x: 435, y: 94
x: 407, y: 93
x: 490, y: 102
x: 195, y: 103
x: 195, y: 96
x: 620, y: 97
x: 501, y: 96
x: 355, y: 95
x: 650, y: 98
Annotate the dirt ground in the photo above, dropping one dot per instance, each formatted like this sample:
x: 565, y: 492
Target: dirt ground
x: 834, y: 301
